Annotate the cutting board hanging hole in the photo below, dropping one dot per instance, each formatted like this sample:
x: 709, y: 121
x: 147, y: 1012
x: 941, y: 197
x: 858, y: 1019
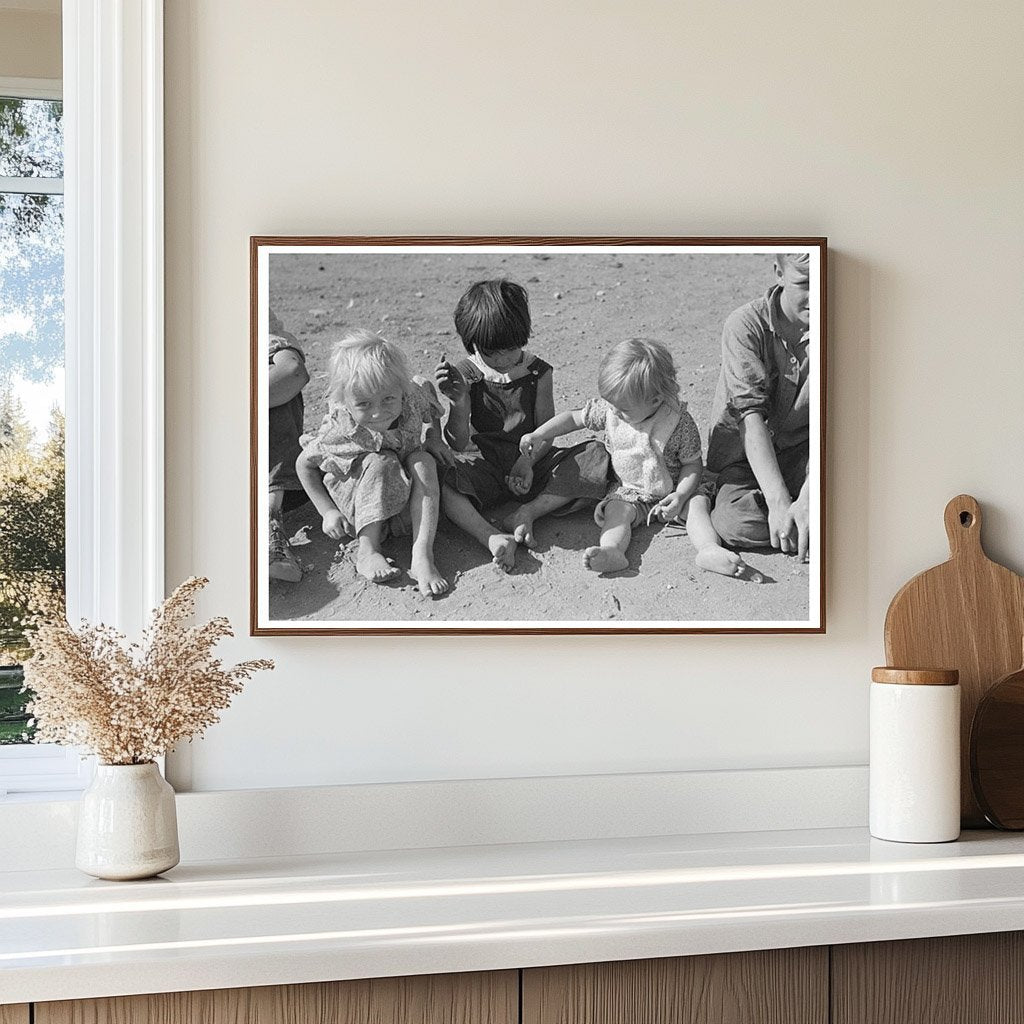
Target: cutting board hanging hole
x: 963, y: 526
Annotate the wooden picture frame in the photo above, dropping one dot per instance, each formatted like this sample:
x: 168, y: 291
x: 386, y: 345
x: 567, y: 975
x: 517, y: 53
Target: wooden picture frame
x: 586, y: 294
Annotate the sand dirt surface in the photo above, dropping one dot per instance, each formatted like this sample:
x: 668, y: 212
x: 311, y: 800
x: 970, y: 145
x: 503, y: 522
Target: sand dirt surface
x: 581, y: 306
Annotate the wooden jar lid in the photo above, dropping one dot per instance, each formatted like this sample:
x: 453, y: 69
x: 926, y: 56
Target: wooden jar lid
x: 916, y: 676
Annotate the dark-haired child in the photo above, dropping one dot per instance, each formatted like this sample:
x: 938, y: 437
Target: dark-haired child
x: 497, y: 395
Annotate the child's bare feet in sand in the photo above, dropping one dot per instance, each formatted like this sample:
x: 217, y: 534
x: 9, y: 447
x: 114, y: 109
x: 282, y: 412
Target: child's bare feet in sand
x: 372, y: 565
x: 605, y: 560
x: 520, y: 525
x: 424, y: 572
x: 715, y: 558
x: 503, y: 549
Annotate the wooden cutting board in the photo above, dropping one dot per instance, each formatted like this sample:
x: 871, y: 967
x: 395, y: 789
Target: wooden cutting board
x: 997, y: 752
x: 967, y: 614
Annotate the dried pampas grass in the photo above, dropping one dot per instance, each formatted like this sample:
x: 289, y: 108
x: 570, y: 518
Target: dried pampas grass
x: 128, y: 704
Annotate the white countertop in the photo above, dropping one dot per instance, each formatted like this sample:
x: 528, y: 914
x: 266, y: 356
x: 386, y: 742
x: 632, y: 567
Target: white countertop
x: 224, y: 924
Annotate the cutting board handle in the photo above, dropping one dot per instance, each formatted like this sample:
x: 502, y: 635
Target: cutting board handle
x: 963, y: 526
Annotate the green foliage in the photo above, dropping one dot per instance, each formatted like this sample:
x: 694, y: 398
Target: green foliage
x: 32, y: 549
x: 31, y: 525
x: 14, y: 727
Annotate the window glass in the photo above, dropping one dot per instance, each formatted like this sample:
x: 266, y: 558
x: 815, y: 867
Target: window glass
x: 31, y: 388
x: 31, y: 138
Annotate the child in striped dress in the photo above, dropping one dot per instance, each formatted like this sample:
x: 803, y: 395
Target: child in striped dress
x: 370, y: 465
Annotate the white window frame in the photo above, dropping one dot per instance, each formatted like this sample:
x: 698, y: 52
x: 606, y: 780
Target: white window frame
x: 114, y: 325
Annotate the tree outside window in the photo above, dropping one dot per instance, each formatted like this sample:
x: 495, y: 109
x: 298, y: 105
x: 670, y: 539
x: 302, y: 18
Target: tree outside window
x: 32, y: 531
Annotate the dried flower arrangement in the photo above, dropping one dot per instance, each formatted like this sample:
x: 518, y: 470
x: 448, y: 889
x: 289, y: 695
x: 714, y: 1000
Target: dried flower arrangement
x: 130, y: 703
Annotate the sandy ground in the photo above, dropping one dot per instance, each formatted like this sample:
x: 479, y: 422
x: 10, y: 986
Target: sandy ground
x: 581, y: 306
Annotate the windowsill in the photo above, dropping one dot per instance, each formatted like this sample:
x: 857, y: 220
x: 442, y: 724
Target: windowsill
x: 387, y: 913
x: 48, y: 797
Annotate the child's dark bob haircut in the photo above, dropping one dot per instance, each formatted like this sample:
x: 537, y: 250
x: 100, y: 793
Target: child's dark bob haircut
x: 493, y: 316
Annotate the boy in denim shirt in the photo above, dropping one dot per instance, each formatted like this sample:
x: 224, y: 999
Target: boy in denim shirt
x: 759, y: 445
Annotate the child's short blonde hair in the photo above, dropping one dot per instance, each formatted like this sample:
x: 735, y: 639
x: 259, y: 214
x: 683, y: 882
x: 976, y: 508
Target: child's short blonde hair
x: 637, y: 370
x: 800, y: 260
x: 364, y: 363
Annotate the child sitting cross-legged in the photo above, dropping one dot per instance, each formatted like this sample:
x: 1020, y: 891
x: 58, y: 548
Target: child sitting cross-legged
x: 656, y: 457
x: 498, y: 394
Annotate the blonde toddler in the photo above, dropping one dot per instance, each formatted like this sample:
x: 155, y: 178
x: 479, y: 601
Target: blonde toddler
x: 371, y: 465
x: 655, y: 451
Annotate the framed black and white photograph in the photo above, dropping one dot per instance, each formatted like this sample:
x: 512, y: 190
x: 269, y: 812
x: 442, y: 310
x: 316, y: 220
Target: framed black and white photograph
x: 537, y: 435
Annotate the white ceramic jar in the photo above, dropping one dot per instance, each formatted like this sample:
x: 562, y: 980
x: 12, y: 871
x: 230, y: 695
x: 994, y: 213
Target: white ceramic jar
x: 127, y: 823
x: 915, y: 755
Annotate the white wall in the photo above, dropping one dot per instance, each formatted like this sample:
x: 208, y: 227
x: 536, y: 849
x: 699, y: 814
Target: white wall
x: 895, y: 129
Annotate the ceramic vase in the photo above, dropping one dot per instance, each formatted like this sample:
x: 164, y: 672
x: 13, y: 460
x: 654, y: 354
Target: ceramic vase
x: 127, y: 825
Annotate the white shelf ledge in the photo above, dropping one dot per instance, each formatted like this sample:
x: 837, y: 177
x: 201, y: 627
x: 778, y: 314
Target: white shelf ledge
x: 356, y: 915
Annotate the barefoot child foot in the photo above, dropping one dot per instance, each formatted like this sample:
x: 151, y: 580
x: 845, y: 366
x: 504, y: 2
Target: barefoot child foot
x: 715, y: 558
x: 616, y: 517
x: 370, y: 561
x: 520, y: 526
x: 520, y: 522
x: 461, y: 511
x: 424, y: 572
x: 372, y: 565
x: 503, y: 548
x: 711, y: 555
x: 600, y: 559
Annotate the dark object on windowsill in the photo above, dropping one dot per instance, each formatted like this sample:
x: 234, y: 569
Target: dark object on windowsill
x: 997, y: 752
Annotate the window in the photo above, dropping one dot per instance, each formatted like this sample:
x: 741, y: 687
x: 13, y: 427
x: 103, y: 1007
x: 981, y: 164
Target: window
x: 113, y: 333
x: 31, y: 381
x: 32, y: 530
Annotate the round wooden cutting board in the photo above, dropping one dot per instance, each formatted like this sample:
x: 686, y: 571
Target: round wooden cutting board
x: 967, y: 614
x: 997, y: 752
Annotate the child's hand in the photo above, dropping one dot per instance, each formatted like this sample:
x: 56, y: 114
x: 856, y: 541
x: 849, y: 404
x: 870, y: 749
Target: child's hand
x: 443, y: 455
x: 781, y: 526
x: 334, y: 525
x: 450, y: 381
x: 792, y: 529
x: 668, y: 508
x: 527, y: 444
x: 520, y: 478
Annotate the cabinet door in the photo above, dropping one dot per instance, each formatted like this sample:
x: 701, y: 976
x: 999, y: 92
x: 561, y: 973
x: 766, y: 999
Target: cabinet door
x: 483, y: 998
x: 14, y: 1014
x: 962, y: 979
x: 778, y: 986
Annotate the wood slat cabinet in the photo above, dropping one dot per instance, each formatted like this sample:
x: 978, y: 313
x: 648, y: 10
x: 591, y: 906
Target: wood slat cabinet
x: 776, y: 986
x: 967, y: 979
x: 480, y: 998
x: 962, y: 979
